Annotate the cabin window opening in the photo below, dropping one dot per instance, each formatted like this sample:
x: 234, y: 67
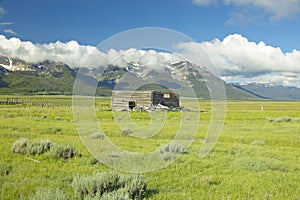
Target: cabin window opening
x: 167, y: 96
x: 131, y: 104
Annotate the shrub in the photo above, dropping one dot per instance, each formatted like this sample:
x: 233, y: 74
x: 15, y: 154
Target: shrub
x: 127, y: 131
x: 109, y: 186
x: 171, y: 150
x: 168, y: 156
x: 58, y: 118
x: 63, y: 152
x: 84, y: 185
x: 114, y: 195
x: 281, y: 119
x: 97, y: 136
x: 284, y: 119
x: 94, y: 161
x: 173, y: 147
x: 54, y: 130
x: 5, y: 169
x: 114, y: 154
x: 210, y: 181
x: 296, y: 119
x: 20, y: 146
x: 44, y: 117
x: 271, y: 119
x: 39, y: 147
x: 40, y: 118
x: 48, y: 194
x: 136, y: 186
x: 24, y: 146
x: 258, y: 142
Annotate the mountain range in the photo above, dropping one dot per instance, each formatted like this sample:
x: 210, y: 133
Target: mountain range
x: 48, y: 77
x: 270, y: 90
x: 20, y: 77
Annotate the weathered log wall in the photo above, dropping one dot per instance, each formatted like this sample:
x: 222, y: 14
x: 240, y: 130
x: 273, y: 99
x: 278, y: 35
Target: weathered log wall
x: 121, y: 99
x: 127, y: 100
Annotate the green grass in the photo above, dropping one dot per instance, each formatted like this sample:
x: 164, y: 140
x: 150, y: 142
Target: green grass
x: 253, y: 159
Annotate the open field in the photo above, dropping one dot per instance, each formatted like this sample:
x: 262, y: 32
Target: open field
x: 256, y: 157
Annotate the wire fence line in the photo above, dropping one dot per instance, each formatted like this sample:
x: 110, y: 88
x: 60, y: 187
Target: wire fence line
x: 105, y: 104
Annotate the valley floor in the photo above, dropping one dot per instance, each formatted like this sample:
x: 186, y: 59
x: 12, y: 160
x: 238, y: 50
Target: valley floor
x: 256, y: 157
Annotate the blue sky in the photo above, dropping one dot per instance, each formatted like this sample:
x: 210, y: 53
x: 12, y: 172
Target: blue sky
x: 248, y: 40
x: 90, y: 22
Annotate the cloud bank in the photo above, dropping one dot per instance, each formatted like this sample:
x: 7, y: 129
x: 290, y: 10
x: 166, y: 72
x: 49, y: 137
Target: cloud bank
x: 237, y: 58
x: 76, y: 55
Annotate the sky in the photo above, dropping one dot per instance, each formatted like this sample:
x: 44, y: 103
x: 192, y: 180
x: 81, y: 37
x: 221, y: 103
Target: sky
x: 248, y: 40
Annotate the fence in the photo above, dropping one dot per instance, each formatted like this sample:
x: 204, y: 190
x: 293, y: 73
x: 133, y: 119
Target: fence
x: 264, y: 107
x: 11, y: 101
x: 104, y: 105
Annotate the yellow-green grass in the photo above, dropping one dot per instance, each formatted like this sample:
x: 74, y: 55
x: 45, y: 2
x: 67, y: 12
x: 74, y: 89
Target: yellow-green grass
x: 253, y: 159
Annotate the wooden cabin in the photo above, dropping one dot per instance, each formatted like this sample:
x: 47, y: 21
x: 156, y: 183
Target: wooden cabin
x: 138, y: 100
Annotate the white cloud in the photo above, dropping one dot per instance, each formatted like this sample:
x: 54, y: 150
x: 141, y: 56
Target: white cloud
x: 237, y: 58
x: 205, y: 2
x: 284, y: 78
x: 77, y: 55
x: 244, y: 17
x: 5, y: 23
x: 276, y: 9
x: 149, y: 58
x: 10, y: 31
x: 70, y: 52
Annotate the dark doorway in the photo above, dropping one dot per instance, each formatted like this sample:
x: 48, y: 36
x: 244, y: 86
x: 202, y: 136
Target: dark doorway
x: 131, y: 104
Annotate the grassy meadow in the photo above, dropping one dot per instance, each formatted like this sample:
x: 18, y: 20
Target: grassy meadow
x: 256, y: 157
